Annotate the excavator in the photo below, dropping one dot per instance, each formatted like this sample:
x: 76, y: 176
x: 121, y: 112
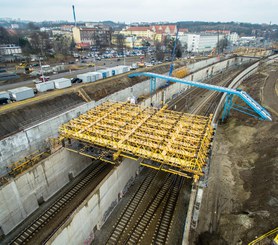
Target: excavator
x: 27, y: 68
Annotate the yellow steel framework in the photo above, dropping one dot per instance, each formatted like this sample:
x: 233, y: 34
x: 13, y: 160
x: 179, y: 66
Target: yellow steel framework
x: 175, y: 142
x: 24, y: 164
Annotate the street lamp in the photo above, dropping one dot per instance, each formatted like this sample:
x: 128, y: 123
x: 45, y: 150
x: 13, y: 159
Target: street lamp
x: 124, y: 56
x: 43, y: 79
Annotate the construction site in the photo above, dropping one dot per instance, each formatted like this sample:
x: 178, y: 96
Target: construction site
x: 146, y: 157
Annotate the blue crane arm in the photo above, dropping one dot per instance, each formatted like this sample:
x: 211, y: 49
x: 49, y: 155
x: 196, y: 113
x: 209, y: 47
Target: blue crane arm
x: 261, y: 111
x: 173, y: 53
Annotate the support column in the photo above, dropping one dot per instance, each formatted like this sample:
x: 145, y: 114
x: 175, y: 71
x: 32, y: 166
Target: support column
x: 152, y: 86
x: 227, y: 107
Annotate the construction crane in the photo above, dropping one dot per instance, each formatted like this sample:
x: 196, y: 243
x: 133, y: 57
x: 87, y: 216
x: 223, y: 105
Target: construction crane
x: 173, y: 53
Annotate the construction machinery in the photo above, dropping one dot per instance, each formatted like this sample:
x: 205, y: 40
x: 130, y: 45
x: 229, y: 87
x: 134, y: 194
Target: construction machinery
x: 212, y: 53
x: 27, y: 68
x: 173, y: 53
x: 181, y: 72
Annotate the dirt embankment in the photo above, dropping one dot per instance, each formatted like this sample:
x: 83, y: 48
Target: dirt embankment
x: 241, y: 201
x: 16, y: 120
x: 37, y: 111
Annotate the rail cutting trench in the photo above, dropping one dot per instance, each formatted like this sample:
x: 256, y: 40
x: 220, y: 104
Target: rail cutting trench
x: 154, y: 236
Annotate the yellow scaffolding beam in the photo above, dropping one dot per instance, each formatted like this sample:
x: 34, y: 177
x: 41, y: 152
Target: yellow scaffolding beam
x: 264, y: 236
x: 178, y: 141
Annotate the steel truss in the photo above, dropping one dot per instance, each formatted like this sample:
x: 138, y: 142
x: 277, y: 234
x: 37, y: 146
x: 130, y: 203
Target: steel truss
x: 167, y: 140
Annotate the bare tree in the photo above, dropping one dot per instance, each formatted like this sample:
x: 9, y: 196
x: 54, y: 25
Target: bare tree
x: 159, y: 54
x: 120, y: 43
x: 179, y: 49
x: 40, y: 42
x: 61, y: 44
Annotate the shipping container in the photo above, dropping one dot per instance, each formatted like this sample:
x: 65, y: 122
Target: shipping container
x: 119, y: 70
x: 62, y: 83
x: 105, y: 73
x: 97, y: 75
x: 124, y: 68
x: 59, y: 68
x: 21, y: 93
x: 4, y: 94
x: 87, y: 77
x: 42, y: 87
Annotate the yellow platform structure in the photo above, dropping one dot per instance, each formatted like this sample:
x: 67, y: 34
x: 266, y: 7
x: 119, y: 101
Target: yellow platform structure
x: 168, y: 140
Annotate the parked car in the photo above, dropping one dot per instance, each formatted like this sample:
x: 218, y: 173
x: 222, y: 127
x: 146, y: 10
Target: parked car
x: 76, y: 80
x: 148, y: 64
x: 44, y: 78
x: 134, y: 66
x: 4, y: 101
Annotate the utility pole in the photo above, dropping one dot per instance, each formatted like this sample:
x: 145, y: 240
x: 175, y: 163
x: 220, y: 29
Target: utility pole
x: 218, y: 44
x: 124, y: 56
x: 43, y: 79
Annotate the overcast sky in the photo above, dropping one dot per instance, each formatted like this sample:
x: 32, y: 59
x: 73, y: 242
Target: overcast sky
x: 253, y: 11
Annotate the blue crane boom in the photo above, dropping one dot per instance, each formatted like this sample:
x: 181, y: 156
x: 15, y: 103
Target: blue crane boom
x: 173, y: 53
x: 255, y: 106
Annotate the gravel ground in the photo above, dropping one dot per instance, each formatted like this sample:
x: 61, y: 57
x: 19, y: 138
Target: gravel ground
x: 241, y: 201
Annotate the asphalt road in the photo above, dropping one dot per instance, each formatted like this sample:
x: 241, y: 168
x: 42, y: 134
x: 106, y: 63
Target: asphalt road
x: 105, y: 63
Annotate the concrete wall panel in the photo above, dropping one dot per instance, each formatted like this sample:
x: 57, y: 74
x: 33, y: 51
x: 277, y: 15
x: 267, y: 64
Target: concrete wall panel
x: 19, y: 198
x: 80, y: 226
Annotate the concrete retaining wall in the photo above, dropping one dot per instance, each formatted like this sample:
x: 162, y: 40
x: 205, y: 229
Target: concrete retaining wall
x: 93, y: 212
x: 19, y: 198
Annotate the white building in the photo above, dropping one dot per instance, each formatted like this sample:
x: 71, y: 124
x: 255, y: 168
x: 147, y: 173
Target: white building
x: 10, y: 49
x: 14, y: 26
x: 200, y: 42
x: 233, y: 37
x: 208, y: 42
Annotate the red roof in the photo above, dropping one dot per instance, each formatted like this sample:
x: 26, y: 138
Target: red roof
x: 160, y: 29
x: 138, y: 28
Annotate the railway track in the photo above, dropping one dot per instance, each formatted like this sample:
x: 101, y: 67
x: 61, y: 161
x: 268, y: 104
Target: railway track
x: 149, y: 214
x: 148, y: 206
x: 92, y: 178
x: 163, y: 226
x: 130, y: 209
x: 185, y: 101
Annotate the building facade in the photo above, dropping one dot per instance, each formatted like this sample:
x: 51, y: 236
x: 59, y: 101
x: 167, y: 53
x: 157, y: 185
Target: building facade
x: 10, y: 49
x: 197, y: 43
x: 233, y: 37
x: 151, y: 33
x: 139, y: 31
x: 95, y: 36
